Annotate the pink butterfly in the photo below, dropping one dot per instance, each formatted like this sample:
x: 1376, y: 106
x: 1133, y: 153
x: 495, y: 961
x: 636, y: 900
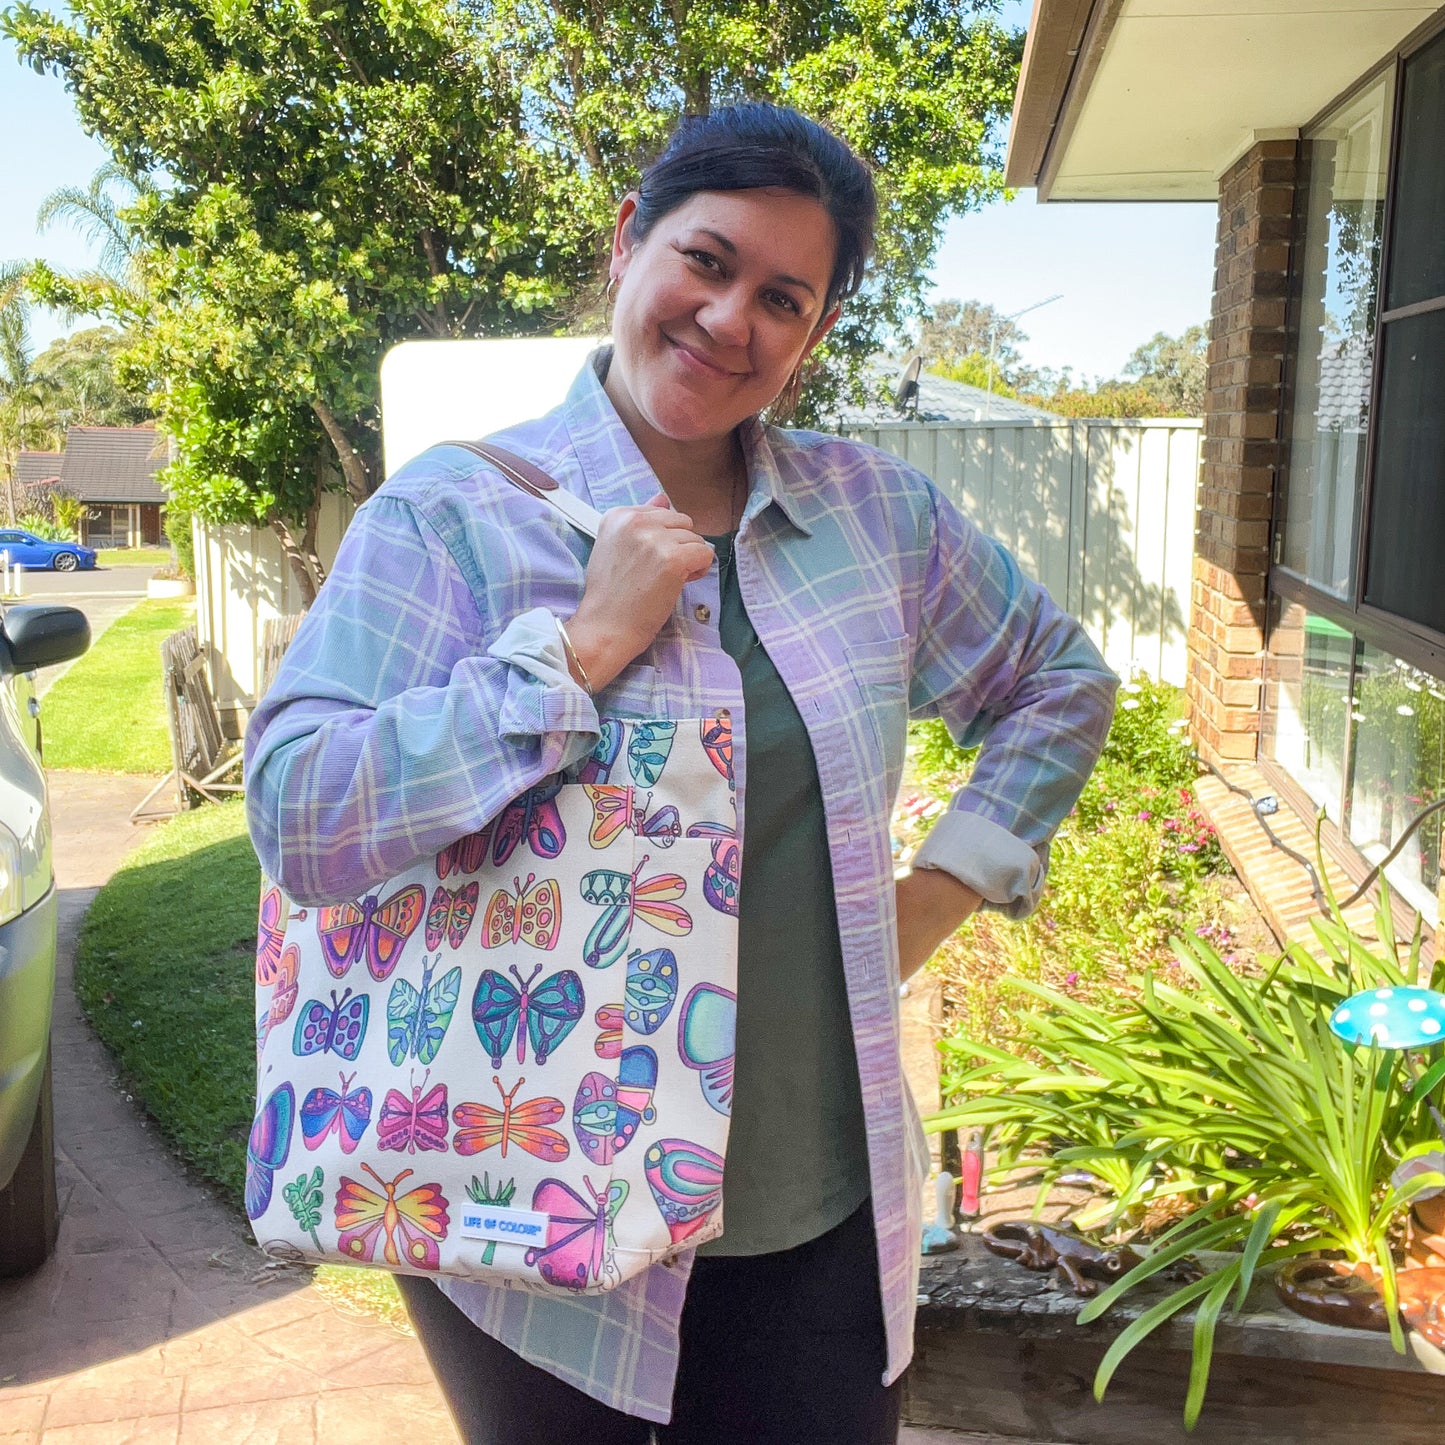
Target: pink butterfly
x: 271, y: 933
x: 450, y: 915
x: 579, y: 1231
x: 415, y: 1123
x: 347, y: 1113
x: 466, y: 855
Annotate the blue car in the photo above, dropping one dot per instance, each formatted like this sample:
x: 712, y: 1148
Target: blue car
x: 31, y: 552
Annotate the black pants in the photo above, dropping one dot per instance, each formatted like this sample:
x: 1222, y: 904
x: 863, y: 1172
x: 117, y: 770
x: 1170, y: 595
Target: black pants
x: 777, y: 1349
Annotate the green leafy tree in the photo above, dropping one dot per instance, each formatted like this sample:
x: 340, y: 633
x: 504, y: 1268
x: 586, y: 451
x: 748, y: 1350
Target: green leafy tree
x: 84, y: 368
x: 952, y: 333
x: 1129, y: 400
x: 27, y: 420
x: 1173, y: 370
x: 334, y: 180
x: 974, y: 370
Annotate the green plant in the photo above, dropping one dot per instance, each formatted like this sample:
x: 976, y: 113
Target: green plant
x: 1223, y: 1094
x: 42, y: 527
x: 69, y: 512
x: 181, y: 538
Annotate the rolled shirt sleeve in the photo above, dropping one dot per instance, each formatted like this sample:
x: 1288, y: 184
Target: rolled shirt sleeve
x: 1009, y: 671
x: 401, y: 717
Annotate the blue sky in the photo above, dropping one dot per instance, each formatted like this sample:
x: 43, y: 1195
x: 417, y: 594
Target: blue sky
x: 1123, y: 272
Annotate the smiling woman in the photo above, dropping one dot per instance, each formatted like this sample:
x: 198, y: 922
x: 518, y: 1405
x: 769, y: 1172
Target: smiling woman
x: 801, y: 595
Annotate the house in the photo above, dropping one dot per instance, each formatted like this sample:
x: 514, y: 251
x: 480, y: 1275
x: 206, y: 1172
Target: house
x: 111, y: 469
x: 937, y: 399
x: 1317, y: 626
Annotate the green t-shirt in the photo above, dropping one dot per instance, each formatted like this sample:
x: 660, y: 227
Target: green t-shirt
x: 797, y: 1156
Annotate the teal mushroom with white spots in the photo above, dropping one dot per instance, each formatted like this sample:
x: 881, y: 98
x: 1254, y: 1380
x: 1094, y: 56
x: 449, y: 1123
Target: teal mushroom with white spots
x: 1404, y: 1017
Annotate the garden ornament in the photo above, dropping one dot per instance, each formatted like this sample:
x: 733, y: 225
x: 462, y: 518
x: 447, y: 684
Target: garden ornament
x: 938, y: 1238
x: 1334, y: 1292
x: 1404, y: 1018
x: 1041, y: 1246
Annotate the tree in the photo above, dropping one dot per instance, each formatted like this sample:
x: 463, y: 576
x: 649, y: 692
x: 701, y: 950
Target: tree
x: 1173, y: 370
x: 337, y: 179
x: 951, y: 332
x: 88, y: 390
x: 25, y: 392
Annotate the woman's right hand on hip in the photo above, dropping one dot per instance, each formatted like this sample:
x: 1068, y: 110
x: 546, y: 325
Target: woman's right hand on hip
x: 642, y: 559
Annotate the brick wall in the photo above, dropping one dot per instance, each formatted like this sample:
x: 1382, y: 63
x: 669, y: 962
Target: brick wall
x: 1241, y: 449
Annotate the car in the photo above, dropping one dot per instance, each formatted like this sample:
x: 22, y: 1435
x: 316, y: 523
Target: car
x: 35, y: 552
x: 31, y: 636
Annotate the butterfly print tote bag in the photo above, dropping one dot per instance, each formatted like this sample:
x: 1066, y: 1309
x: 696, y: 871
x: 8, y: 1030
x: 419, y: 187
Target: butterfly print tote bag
x: 514, y: 1062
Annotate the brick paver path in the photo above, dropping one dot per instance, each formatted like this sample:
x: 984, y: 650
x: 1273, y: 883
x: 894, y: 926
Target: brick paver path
x: 158, y: 1321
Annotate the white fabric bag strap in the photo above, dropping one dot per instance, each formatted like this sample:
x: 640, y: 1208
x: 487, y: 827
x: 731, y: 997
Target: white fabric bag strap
x: 531, y: 479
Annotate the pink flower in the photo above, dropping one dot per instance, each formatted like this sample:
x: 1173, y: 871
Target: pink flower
x: 1072, y: 979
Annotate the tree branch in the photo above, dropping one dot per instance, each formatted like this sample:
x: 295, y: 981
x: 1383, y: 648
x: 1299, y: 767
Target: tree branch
x: 353, y: 465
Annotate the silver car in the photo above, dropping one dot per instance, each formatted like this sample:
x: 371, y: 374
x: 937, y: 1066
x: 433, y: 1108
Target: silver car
x: 31, y: 636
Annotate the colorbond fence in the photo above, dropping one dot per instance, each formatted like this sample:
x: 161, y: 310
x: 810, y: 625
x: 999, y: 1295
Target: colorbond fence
x: 1101, y: 512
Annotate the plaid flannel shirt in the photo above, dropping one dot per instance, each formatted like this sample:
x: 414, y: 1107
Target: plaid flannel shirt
x: 428, y: 686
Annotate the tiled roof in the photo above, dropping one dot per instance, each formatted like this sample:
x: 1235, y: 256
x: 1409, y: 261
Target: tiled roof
x: 102, y: 464
x: 31, y: 467
x: 939, y: 400
x: 1344, y: 400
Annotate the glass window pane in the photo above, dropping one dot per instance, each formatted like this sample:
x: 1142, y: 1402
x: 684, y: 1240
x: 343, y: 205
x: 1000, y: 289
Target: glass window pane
x: 1307, y: 685
x: 1417, y: 259
x: 1345, y: 161
x: 1399, y: 767
x: 1407, y: 520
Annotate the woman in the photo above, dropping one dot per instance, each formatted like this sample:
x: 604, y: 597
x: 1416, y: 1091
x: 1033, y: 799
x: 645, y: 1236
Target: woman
x: 462, y: 651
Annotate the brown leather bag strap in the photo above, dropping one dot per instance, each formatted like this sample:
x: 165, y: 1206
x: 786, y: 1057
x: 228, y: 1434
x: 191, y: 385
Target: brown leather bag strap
x: 530, y: 478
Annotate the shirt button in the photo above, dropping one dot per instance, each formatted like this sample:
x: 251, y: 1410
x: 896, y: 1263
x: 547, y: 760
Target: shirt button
x: 702, y: 612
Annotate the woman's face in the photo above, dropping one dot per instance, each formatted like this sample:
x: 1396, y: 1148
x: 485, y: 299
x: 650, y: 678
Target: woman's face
x: 716, y: 307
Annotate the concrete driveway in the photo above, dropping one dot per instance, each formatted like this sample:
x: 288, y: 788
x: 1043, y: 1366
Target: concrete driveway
x: 103, y: 595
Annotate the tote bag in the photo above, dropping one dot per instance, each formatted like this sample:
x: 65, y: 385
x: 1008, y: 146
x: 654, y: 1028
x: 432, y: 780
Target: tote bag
x: 513, y: 1062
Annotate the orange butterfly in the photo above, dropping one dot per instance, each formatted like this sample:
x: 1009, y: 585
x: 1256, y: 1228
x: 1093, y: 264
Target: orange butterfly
x: 419, y: 1216
x: 283, y: 996
x: 615, y: 808
x: 530, y: 915
x: 479, y: 1126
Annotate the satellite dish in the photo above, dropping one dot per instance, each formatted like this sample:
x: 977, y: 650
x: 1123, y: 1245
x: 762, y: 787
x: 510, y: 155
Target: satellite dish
x: 905, y: 394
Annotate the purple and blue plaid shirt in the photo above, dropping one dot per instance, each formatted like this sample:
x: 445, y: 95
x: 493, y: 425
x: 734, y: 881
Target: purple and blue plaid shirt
x: 428, y: 687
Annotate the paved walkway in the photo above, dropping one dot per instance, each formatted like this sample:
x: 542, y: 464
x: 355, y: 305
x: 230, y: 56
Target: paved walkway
x: 158, y: 1320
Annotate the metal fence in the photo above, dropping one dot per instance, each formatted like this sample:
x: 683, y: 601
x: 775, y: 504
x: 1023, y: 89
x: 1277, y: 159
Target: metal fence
x: 1100, y: 512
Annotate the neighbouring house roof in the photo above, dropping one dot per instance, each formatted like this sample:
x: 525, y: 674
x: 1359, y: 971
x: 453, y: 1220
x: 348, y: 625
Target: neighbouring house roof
x: 1344, y: 397
x: 939, y: 400
x: 102, y: 464
x: 1154, y: 99
x: 31, y: 467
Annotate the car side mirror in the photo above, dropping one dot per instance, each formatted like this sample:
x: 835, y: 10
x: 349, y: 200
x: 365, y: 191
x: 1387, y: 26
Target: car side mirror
x: 40, y: 636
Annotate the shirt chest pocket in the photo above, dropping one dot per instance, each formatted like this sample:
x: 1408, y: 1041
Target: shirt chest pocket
x: 879, y: 671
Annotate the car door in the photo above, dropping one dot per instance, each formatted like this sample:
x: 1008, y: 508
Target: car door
x: 12, y: 546
x: 32, y: 552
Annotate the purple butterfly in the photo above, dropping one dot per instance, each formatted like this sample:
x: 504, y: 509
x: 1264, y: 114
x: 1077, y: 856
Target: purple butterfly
x: 267, y: 1148
x: 347, y: 1112
x: 340, y: 1028
x: 416, y: 1123
x: 720, y: 881
x: 535, y: 817
x: 578, y: 1231
x: 545, y: 1015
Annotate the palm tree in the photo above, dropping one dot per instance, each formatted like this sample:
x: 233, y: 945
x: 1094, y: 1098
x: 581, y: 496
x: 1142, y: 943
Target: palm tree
x: 26, y: 417
x: 96, y: 211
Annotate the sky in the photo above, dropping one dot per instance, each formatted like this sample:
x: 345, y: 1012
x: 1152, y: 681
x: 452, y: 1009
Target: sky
x: 1122, y: 272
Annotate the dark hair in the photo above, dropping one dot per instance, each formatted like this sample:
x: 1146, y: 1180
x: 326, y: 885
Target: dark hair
x: 756, y: 146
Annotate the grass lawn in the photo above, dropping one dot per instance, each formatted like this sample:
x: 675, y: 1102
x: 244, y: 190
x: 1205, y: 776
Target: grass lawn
x: 165, y: 973
x: 133, y: 557
x: 108, y: 714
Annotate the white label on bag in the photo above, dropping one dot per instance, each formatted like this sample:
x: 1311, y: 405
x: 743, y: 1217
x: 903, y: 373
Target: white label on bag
x: 506, y: 1226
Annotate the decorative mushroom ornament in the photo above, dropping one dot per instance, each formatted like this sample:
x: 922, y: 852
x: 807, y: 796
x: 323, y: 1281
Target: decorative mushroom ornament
x: 1404, y: 1017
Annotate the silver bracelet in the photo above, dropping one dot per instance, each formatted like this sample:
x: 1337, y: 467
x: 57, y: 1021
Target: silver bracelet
x: 573, y: 658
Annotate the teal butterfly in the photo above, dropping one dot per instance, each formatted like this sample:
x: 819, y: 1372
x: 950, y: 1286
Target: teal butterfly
x: 622, y: 898
x: 648, y: 750
x: 417, y: 1019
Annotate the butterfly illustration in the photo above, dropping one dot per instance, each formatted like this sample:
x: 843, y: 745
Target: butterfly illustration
x: 622, y: 898
x: 609, y: 1042
x: 535, y: 817
x: 419, y: 1122
x: 705, y: 1033
x: 724, y: 873
x: 651, y: 989
x: 686, y: 1182
x: 648, y: 750
x: 607, y: 1112
x: 340, y: 1028
x: 283, y: 995
x: 347, y: 1112
x: 530, y: 914
x: 579, y: 1231
x: 466, y: 855
x: 598, y: 766
x: 546, y: 1014
x: 419, y: 1218
x: 417, y: 1018
x: 483, y: 1191
x: 717, y: 742
x: 379, y: 930
x: 615, y: 808
x: 267, y: 1148
x: 271, y: 934
x: 480, y: 1126
x: 450, y: 915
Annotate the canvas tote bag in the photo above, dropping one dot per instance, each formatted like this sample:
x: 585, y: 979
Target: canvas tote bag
x: 513, y: 1062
